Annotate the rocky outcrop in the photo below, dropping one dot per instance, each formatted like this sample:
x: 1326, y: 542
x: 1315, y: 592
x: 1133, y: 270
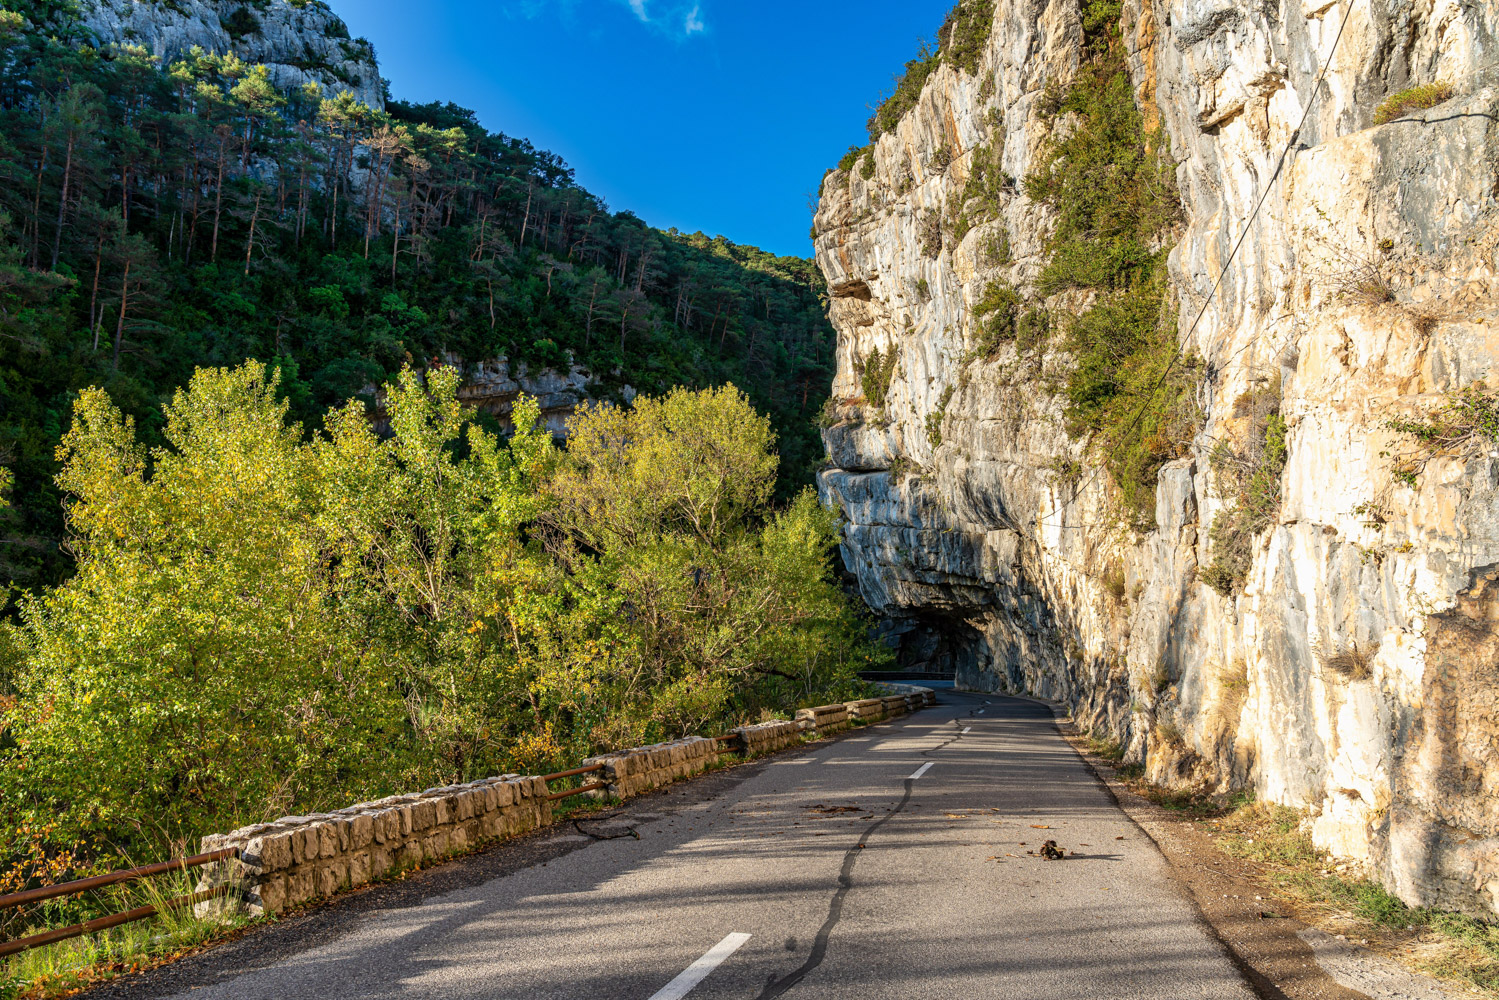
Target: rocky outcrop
x: 299, y: 41
x: 491, y: 387
x: 1352, y: 673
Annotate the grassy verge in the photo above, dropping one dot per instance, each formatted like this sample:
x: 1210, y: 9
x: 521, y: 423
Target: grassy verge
x: 67, y: 967
x: 1445, y: 944
x: 1338, y: 897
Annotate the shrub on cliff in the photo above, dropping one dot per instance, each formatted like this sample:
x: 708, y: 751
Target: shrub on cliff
x: 1112, y: 186
x: 1420, y: 98
x: 1249, y: 478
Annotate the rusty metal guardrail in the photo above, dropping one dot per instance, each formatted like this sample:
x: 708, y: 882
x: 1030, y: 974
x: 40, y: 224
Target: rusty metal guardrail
x: 565, y: 793
x: 82, y: 885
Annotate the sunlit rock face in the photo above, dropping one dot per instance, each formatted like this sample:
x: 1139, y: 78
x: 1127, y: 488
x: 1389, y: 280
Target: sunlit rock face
x: 1357, y: 674
x: 298, y: 42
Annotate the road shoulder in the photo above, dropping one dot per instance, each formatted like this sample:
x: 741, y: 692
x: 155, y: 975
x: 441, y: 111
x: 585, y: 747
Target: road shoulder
x: 1282, y: 956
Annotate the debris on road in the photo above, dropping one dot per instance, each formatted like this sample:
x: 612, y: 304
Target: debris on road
x: 1051, y: 852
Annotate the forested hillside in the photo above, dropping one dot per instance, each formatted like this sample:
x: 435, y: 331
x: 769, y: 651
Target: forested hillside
x: 156, y: 218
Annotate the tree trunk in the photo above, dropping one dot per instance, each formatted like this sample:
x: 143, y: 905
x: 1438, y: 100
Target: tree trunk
x: 588, y: 330
x: 250, y: 243
x: 93, y: 301
x: 218, y: 202
x: 36, y: 212
x: 395, y: 243
x: 120, y: 324
x: 527, y: 219
x: 62, y: 203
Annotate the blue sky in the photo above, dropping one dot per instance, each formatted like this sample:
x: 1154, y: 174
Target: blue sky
x: 719, y: 115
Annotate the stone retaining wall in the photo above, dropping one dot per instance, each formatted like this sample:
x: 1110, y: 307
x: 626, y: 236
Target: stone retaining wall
x: 299, y: 858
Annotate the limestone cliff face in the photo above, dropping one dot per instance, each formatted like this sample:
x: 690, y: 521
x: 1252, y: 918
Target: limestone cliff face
x: 299, y: 42
x: 1357, y: 673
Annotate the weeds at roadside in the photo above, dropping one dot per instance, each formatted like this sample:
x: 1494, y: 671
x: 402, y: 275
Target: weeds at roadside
x: 1281, y: 857
x: 1272, y: 837
x: 70, y: 966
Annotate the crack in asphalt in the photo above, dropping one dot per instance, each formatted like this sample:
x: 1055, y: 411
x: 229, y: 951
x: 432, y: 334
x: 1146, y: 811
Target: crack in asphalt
x: 779, y: 987
x: 835, y: 909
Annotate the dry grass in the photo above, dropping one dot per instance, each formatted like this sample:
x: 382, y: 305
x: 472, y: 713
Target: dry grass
x: 1337, y: 896
x: 1344, y: 900
x: 71, y: 966
x: 1355, y: 663
x: 1114, y: 581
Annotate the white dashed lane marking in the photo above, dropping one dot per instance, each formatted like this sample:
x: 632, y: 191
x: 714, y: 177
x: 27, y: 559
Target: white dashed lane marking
x: 698, y: 971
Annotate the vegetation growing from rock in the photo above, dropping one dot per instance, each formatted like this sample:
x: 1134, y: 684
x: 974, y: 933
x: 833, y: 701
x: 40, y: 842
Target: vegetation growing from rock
x: 153, y: 218
x: 1398, y: 105
x: 1111, y: 185
x: 998, y: 315
x: 1467, y: 420
x: 935, y: 418
x: 960, y: 43
x: 879, y: 371
x: 1249, y: 478
x: 263, y: 623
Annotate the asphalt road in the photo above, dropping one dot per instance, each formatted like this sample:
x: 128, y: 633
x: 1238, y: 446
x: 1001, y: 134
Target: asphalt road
x: 830, y: 872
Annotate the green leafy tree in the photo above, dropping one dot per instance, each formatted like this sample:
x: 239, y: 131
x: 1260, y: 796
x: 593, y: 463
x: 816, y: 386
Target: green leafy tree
x: 262, y: 624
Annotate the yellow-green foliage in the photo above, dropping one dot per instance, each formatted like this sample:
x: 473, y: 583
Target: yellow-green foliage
x: 1428, y: 95
x: 1112, y: 187
x: 264, y: 624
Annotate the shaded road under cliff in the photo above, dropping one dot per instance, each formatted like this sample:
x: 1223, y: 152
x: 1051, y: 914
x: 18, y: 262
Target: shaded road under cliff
x: 891, y: 863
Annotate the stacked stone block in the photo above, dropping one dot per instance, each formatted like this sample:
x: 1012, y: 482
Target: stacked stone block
x: 299, y: 858
x: 866, y: 709
x: 824, y: 719
x: 767, y: 737
x: 634, y: 771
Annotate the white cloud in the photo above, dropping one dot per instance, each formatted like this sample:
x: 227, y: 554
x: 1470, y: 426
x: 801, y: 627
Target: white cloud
x: 669, y: 17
